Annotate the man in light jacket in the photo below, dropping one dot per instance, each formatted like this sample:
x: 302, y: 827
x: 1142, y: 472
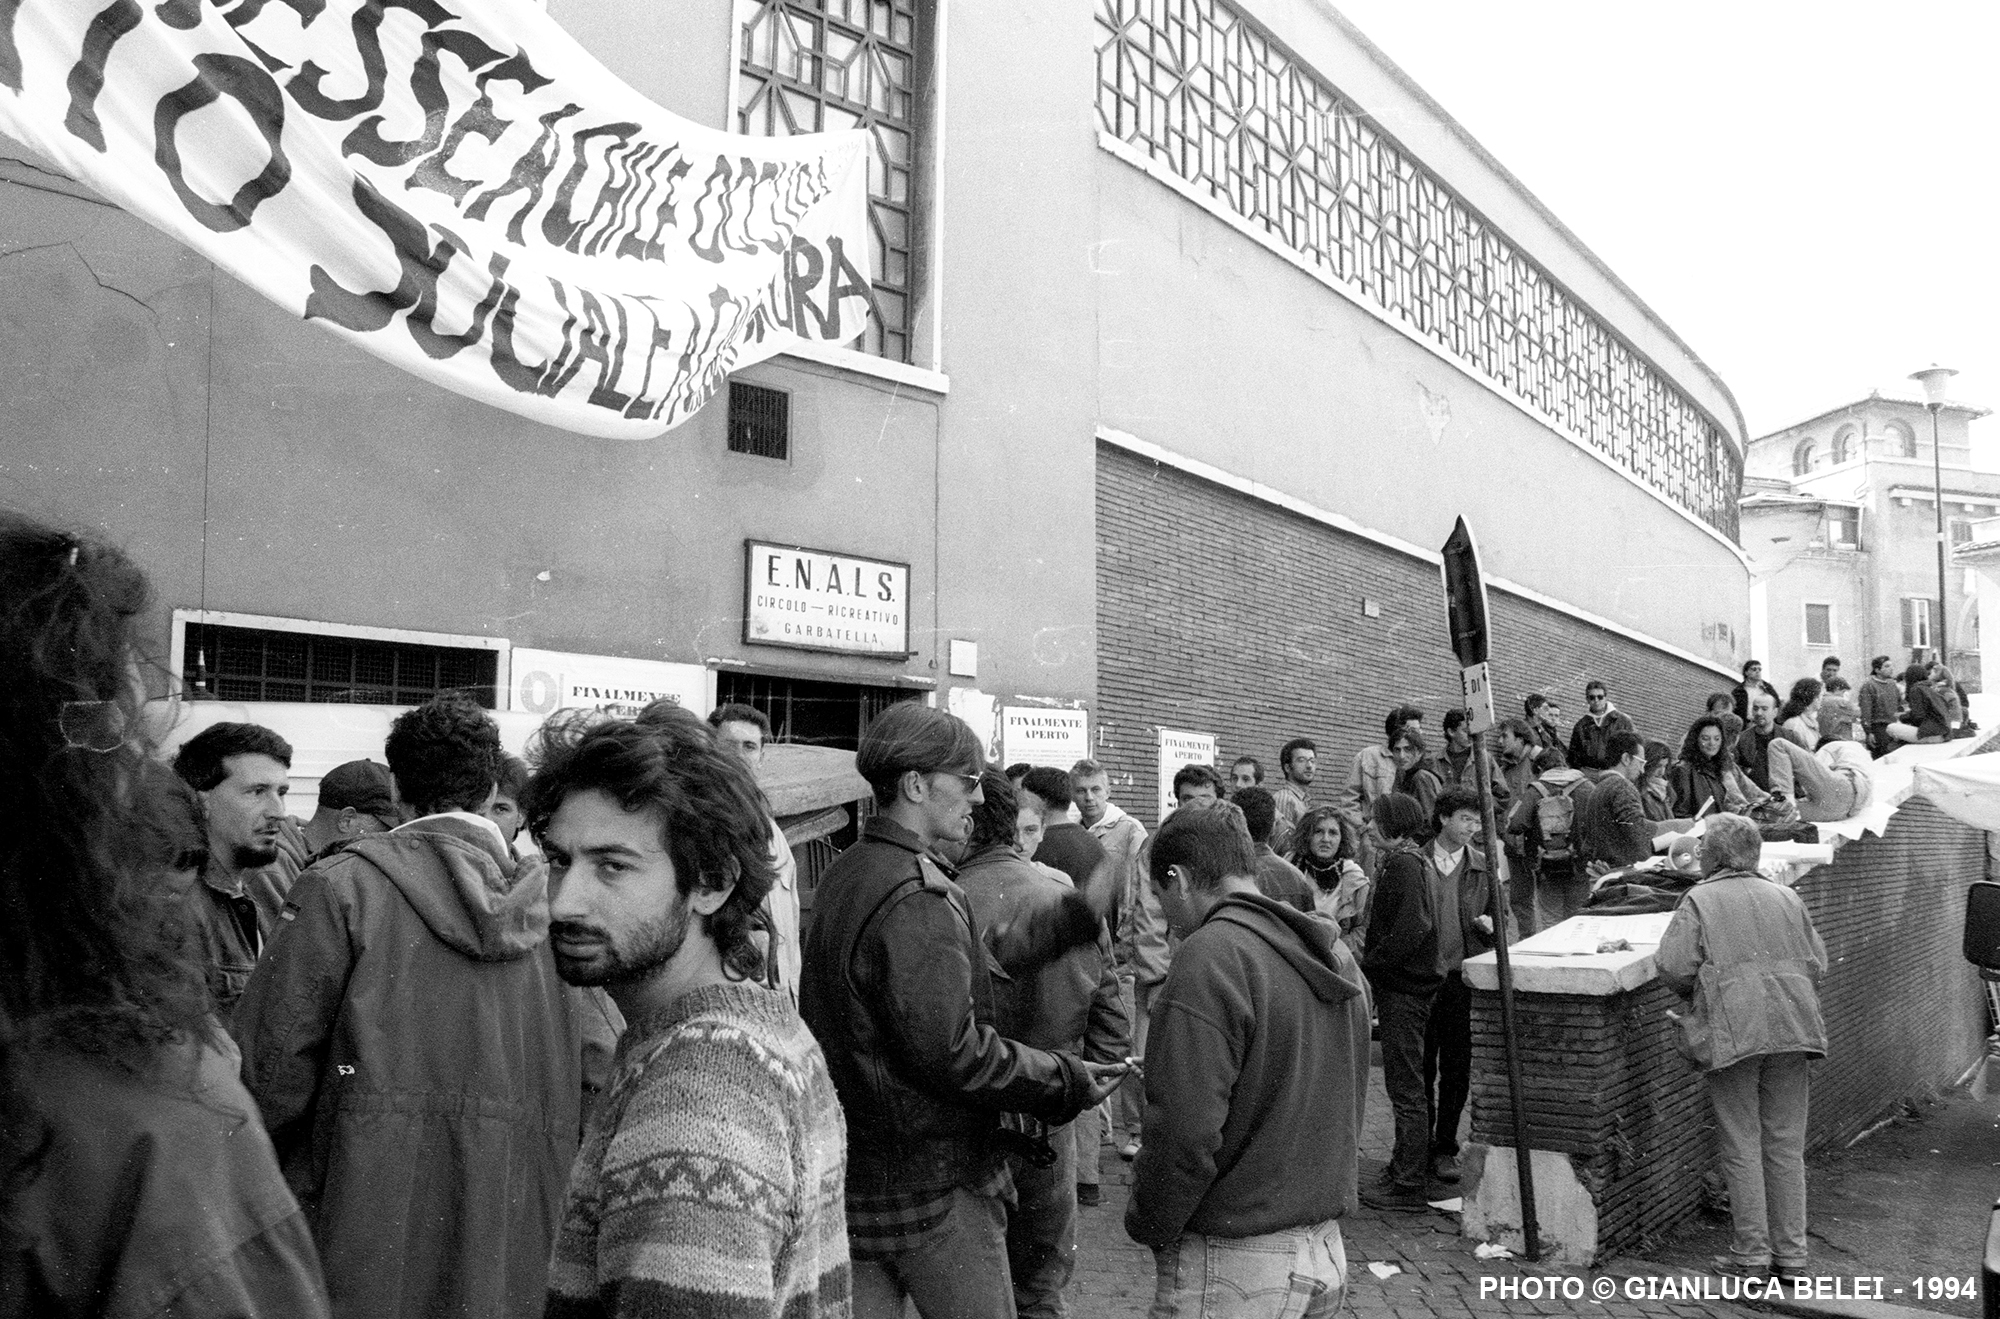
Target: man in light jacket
x: 1744, y: 950
x: 414, y: 1053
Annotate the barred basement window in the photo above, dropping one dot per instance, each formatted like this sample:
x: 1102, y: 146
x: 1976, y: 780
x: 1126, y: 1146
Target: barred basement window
x: 760, y: 421
x: 253, y: 664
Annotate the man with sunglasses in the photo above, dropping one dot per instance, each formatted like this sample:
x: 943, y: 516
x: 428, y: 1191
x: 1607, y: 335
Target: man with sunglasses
x: 895, y: 987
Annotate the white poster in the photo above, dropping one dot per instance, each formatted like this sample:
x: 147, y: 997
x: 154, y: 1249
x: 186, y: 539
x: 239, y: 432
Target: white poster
x: 545, y: 681
x: 457, y: 187
x: 822, y: 600
x: 1178, y: 748
x: 1057, y: 738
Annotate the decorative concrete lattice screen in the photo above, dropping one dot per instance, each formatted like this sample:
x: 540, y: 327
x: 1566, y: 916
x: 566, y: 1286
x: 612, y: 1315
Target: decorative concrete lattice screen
x: 1205, y: 93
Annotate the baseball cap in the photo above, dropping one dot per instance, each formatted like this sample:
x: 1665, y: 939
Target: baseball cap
x: 362, y: 784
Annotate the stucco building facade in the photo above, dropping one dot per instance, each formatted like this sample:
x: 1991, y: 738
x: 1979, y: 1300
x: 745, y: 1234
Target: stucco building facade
x: 1839, y: 522
x: 1213, y: 256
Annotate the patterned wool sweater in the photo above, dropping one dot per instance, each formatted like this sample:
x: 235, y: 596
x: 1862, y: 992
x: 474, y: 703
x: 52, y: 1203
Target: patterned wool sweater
x: 711, y: 1180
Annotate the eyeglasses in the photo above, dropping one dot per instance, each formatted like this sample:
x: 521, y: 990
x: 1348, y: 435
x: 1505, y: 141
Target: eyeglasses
x: 969, y: 781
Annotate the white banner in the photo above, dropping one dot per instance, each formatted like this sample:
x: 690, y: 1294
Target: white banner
x: 457, y: 187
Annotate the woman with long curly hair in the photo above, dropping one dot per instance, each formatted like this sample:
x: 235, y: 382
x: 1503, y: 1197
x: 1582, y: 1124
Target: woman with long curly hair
x: 134, y: 1172
x: 1323, y: 849
x: 1707, y: 779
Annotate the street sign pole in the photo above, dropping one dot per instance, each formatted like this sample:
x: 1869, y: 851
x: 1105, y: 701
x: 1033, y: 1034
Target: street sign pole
x: 1465, y: 608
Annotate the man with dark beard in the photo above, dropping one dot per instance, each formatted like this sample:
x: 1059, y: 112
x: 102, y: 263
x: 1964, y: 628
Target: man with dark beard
x: 241, y: 773
x: 412, y: 1049
x: 715, y: 1182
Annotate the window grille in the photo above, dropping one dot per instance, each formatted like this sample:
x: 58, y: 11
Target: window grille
x: 1206, y: 94
x: 813, y: 66
x: 760, y: 421
x: 1819, y: 625
x: 253, y: 664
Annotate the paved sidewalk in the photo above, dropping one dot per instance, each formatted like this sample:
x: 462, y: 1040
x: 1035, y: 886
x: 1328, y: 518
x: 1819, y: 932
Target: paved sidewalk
x: 1437, y: 1273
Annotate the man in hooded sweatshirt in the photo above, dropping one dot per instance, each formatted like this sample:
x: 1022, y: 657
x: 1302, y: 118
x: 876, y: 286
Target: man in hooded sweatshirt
x: 1254, y: 1087
x: 413, y: 1051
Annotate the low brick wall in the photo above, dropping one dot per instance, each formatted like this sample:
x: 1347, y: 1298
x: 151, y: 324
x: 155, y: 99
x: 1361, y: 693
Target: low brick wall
x: 1605, y: 1084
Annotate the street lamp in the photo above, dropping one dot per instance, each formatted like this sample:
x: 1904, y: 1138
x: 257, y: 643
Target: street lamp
x: 1934, y: 378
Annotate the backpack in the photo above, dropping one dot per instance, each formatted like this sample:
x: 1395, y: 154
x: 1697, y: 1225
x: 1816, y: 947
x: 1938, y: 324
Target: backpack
x: 1555, y: 812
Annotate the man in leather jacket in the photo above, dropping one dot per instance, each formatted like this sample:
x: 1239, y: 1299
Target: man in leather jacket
x: 896, y: 988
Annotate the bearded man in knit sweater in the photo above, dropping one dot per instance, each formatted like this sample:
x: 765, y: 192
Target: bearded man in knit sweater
x: 712, y: 1178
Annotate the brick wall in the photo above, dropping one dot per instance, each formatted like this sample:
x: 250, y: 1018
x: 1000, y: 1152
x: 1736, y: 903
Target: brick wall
x: 1905, y: 1014
x: 1604, y: 1083
x: 1221, y: 614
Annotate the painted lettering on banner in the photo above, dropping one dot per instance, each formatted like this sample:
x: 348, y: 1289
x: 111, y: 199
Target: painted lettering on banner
x: 459, y: 188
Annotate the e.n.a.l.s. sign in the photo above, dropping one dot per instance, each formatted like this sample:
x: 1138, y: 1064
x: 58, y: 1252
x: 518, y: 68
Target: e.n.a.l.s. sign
x: 819, y: 600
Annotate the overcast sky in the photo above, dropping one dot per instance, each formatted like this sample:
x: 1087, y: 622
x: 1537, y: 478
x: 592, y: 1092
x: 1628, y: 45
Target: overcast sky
x: 1804, y: 192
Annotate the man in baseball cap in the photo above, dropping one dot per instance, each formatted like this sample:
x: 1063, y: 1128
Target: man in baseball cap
x: 354, y: 799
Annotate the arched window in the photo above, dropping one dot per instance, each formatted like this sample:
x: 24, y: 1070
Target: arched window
x: 1900, y: 440
x: 1846, y: 444
x: 1805, y: 457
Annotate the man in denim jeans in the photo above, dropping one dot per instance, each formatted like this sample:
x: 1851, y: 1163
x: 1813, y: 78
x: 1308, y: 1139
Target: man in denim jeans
x: 1257, y: 1075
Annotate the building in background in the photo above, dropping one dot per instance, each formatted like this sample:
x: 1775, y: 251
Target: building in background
x: 1197, y: 325
x: 1839, y: 521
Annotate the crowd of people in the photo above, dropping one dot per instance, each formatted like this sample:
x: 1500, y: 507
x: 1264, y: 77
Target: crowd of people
x: 403, y: 1059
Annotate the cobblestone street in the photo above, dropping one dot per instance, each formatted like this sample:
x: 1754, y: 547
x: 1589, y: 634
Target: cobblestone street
x: 1437, y: 1274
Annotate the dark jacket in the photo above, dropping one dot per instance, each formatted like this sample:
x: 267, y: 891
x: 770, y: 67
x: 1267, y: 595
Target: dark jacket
x: 228, y: 935
x: 1927, y: 712
x: 1279, y: 879
x: 896, y: 987
x: 1740, y: 698
x: 1697, y: 782
x: 1753, y: 755
x: 1475, y: 899
x: 1455, y: 771
x: 1589, y: 739
x: 1402, y: 952
x: 1258, y: 1074
x: 1071, y: 849
x: 417, y: 1062
x: 1070, y: 1003
x: 149, y: 1192
x: 1611, y: 823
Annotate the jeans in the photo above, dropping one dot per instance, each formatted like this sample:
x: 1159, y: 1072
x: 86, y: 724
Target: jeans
x: 1448, y: 1061
x: 961, y: 1275
x: 1821, y: 793
x: 1760, y: 1123
x: 1404, y: 1018
x: 1092, y: 1129
x: 1130, y: 1097
x: 1298, y: 1273
x: 1041, y: 1229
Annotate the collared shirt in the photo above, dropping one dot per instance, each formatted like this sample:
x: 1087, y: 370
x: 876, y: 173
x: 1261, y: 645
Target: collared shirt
x: 886, y: 1225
